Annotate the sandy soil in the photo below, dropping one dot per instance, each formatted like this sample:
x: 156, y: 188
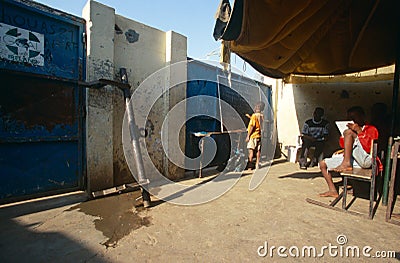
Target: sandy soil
x: 237, y: 227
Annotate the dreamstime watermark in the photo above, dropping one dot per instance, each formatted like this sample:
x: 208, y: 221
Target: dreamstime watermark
x: 155, y: 106
x: 339, y: 249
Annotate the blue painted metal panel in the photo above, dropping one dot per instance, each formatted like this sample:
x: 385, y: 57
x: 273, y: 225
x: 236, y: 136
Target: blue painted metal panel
x: 41, y: 125
x: 41, y: 41
x: 40, y: 136
x: 33, y: 168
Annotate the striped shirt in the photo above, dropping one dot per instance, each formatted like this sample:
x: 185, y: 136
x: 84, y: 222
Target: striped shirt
x: 318, y: 130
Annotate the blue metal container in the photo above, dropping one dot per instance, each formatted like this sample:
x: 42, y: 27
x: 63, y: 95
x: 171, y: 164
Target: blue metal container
x: 42, y: 58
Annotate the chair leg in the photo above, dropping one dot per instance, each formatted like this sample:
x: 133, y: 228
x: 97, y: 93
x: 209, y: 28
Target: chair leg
x: 372, y: 196
x: 344, y: 192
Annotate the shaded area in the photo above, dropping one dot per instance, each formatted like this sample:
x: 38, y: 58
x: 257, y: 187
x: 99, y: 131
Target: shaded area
x: 36, y: 104
x: 31, y: 242
x: 19, y: 243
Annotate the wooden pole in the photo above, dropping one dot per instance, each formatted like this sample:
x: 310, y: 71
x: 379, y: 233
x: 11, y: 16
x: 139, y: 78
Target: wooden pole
x: 392, y: 130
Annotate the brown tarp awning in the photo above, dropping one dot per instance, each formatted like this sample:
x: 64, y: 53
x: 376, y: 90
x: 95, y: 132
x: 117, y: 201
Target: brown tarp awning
x: 311, y: 37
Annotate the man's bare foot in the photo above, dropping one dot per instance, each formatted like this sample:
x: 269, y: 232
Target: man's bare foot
x: 329, y: 194
x: 343, y: 168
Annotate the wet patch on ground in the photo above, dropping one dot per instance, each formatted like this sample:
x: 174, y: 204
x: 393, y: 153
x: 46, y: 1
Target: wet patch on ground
x: 118, y: 216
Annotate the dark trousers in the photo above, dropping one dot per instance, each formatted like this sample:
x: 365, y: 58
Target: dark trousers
x: 318, y: 153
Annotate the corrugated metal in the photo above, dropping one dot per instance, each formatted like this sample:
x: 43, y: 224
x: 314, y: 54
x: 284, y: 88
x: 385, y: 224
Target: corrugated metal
x: 41, y: 131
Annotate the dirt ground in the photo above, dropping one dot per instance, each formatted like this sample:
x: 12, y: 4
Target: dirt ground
x: 240, y: 226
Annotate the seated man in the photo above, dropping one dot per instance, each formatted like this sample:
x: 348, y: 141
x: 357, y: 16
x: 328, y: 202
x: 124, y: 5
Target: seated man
x: 357, y: 141
x: 314, y: 134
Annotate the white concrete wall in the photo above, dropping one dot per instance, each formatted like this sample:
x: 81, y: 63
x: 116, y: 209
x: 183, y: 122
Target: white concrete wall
x: 116, y: 42
x: 286, y: 117
x: 99, y: 118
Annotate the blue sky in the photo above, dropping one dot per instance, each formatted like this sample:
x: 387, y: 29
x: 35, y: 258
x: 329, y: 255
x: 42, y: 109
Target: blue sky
x: 192, y: 18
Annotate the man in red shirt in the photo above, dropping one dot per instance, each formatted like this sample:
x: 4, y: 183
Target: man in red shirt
x: 356, y: 142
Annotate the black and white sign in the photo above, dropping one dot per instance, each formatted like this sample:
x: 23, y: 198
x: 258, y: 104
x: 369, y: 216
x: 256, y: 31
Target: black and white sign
x: 21, y: 45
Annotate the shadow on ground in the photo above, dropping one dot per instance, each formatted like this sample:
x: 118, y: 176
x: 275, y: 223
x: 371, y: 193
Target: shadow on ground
x: 29, y: 243
x: 302, y: 175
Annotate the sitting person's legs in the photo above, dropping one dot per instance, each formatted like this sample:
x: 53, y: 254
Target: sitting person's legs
x: 305, y: 147
x: 343, y: 162
x: 318, y: 153
x: 346, y: 165
x: 328, y: 178
x: 362, y: 158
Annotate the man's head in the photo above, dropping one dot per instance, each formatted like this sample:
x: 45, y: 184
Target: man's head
x: 357, y: 115
x: 318, y: 113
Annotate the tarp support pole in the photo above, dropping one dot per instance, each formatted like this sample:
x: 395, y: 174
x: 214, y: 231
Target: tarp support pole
x: 392, y: 130
x: 387, y: 172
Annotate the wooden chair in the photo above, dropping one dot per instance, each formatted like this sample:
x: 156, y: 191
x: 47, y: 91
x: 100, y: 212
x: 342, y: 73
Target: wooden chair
x: 364, y: 175
x: 359, y: 174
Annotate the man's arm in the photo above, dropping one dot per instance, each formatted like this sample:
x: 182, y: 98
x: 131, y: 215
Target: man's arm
x: 305, y: 133
x: 366, y: 136
x: 355, y: 128
x: 326, y: 131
